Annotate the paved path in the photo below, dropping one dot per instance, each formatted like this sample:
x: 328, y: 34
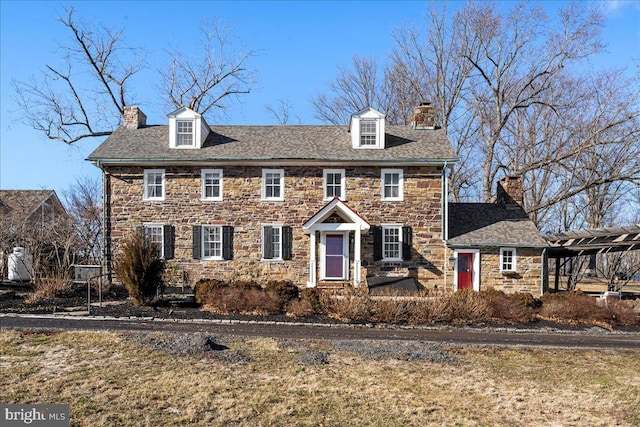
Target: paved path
x: 463, y: 336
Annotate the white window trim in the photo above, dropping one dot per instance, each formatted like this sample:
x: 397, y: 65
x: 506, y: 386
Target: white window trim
x: 156, y: 225
x: 262, y: 240
x: 400, y: 197
x: 203, y: 193
x: 148, y: 172
x: 193, y: 133
x: 514, y: 265
x: 376, y: 142
x: 202, y: 234
x: 343, y: 180
x: 264, y: 185
x: 399, y: 228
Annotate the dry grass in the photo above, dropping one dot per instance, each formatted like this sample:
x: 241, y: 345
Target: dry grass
x: 110, y: 380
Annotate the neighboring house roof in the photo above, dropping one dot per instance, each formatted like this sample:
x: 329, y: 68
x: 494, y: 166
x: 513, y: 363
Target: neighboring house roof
x: 19, y: 205
x: 491, y: 224
x: 150, y: 144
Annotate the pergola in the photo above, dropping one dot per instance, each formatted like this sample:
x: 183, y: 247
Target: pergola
x: 571, y: 244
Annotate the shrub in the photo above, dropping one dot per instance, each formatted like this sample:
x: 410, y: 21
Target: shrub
x: 140, y: 268
x: 391, y: 309
x: 298, y: 308
x: 312, y: 297
x: 205, y: 286
x: 283, y: 291
x: 348, y: 305
x: 512, y: 308
x: 575, y: 307
x: 467, y: 305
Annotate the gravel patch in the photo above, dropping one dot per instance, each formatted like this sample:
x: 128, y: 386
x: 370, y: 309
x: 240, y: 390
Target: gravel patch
x: 409, y: 351
x: 314, y: 357
x: 195, y: 344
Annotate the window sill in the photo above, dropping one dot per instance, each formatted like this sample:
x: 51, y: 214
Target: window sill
x: 154, y: 199
x: 510, y: 273
x: 211, y: 200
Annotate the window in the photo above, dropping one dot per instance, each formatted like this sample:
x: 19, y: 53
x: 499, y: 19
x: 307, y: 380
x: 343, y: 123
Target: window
x: 276, y: 242
x: 154, y: 184
x: 211, y: 184
x: 160, y: 235
x: 507, y: 259
x: 392, y: 242
x: 184, y: 133
x: 368, y: 132
x: 273, y: 184
x: 392, y: 184
x: 334, y: 183
x: 212, y: 242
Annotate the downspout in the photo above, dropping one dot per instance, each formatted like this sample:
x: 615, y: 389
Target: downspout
x: 106, y: 225
x: 445, y: 224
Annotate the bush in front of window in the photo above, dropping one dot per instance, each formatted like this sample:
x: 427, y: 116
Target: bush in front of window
x: 140, y: 268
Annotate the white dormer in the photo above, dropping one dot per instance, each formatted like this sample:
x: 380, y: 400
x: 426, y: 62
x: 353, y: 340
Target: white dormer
x: 187, y: 129
x: 367, y: 129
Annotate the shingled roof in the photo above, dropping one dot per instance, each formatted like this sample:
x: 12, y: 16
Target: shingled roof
x: 19, y: 205
x: 150, y: 144
x: 491, y: 224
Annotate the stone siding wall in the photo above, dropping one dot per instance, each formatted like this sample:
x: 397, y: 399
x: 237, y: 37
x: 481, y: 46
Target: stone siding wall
x: 526, y: 279
x: 243, y: 209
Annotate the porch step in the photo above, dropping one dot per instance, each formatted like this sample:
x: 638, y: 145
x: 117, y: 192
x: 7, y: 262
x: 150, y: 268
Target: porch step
x: 332, y: 284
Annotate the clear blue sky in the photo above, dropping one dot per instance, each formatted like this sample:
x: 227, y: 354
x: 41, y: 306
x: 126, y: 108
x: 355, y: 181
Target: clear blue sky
x: 301, y: 45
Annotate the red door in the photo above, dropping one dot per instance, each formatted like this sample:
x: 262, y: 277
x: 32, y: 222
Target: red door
x: 465, y: 271
x: 334, y: 257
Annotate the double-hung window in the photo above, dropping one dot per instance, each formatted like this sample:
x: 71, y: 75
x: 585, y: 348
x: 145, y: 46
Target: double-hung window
x: 392, y: 184
x: 392, y: 243
x: 155, y: 234
x: 153, y: 184
x: 211, y: 184
x: 211, y: 242
x: 276, y: 242
x: 184, y: 133
x: 368, y: 133
x: 334, y: 184
x: 507, y: 259
x: 273, y: 184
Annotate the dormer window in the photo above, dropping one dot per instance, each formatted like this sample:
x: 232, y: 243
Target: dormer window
x: 187, y: 129
x: 367, y: 129
x: 184, y: 133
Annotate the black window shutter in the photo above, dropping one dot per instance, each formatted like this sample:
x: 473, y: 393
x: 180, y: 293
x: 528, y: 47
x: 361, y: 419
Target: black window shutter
x: 287, y: 241
x: 197, y: 241
x: 168, y: 241
x: 268, y: 242
x: 407, y: 243
x: 377, y: 243
x: 139, y: 230
x: 227, y: 242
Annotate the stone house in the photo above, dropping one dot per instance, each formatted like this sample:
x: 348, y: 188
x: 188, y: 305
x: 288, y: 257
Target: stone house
x: 322, y: 206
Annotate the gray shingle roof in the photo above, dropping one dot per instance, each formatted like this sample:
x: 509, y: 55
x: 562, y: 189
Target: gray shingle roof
x: 251, y: 143
x: 490, y: 224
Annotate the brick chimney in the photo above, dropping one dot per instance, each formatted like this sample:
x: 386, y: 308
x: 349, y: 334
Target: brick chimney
x: 134, y: 118
x: 423, y: 116
x: 509, y: 192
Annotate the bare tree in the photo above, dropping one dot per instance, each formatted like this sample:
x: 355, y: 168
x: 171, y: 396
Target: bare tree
x: 65, y: 105
x: 214, y: 73
x: 84, y: 206
x: 351, y: 91
x: 281, y: 112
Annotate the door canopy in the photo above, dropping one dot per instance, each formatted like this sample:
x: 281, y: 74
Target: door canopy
x: 336, y: 207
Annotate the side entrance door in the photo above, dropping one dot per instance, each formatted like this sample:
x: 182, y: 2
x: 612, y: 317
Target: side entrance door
x: 465, y: 271
x: 334, y: 256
